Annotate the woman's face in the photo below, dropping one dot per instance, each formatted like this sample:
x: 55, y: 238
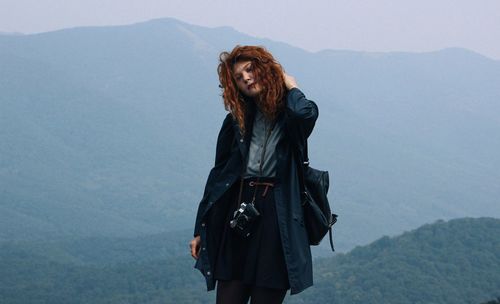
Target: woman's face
x: 245, y: 80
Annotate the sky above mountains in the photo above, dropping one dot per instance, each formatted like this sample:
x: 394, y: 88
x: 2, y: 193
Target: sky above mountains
x: 365, y: 25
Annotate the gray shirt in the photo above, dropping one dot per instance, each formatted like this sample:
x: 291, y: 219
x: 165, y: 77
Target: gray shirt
x: 261, y: 127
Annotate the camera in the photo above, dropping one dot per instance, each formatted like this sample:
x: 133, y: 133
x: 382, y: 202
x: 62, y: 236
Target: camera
x: 243, y: 219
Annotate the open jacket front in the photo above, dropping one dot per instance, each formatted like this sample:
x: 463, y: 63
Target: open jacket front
x: 298, y: 120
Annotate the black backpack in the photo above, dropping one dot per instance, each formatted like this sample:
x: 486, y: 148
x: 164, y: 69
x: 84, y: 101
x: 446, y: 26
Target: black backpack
x: 314, y: 184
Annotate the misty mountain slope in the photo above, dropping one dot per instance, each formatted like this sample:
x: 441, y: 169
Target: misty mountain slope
x: 110, y: 131
x: 58, y: 142
x: 105, y: 251
x: 82, y: 118
x: 423, y: 127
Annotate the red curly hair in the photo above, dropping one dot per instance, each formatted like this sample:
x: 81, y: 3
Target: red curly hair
x: 267, y: 71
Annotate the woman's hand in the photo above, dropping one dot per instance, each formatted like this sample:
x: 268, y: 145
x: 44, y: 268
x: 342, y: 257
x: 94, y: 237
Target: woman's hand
x: 289, y: 81
x: 195, y: 247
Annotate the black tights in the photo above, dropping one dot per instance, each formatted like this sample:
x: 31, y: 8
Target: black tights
x: 236, y: 292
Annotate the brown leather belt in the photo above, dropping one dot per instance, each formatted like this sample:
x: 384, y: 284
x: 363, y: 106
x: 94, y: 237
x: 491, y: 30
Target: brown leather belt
x: 267, y: 184
x: 256, y: 182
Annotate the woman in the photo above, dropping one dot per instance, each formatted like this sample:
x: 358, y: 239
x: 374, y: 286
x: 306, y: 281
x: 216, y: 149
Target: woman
x: 249, y: 233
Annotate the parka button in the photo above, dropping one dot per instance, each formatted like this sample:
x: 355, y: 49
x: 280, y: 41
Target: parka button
x: 227, y: 184
x: 203, y: 248
x: 241, y: 140
x: 208, y: 272
x: 203, y: 224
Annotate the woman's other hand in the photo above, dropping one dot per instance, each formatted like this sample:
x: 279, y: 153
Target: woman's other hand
x: 289, y: 81
x: 195, y: 247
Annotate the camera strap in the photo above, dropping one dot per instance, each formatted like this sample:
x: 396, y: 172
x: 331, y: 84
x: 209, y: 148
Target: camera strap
x: 262, y: 160
x: 260, y: 166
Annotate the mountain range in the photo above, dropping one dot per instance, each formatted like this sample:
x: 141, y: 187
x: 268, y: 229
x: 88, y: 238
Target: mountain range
x: 110, y: 131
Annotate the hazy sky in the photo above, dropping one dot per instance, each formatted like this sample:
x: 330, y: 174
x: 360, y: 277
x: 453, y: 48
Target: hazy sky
x: 369, y: 25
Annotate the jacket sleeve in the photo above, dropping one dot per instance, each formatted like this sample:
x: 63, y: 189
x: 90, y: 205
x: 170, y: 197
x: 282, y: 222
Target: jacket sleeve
x: 300, y: 116
x: 224, y: 143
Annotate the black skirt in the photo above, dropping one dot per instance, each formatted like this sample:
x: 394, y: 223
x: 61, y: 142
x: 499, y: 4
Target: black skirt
x: 258, y: 259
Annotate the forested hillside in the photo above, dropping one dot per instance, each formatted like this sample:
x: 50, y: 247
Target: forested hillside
x: 444, y: 262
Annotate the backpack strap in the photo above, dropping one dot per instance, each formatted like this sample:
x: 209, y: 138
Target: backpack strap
x: 306, y: 157
x: 331, y: 238
x: 300, y: 167
x: 334, y: 220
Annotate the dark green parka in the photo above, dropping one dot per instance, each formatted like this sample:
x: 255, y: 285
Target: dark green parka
x: 298, y: 120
